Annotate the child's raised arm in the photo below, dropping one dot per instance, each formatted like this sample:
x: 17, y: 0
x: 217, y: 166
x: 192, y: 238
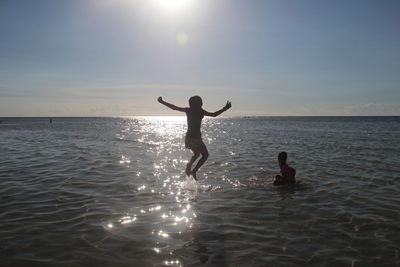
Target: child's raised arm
x: 216, y: 113
x: 171, y: 106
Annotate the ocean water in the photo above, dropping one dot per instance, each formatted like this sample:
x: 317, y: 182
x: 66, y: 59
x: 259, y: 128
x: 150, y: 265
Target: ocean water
x: 112, y: 192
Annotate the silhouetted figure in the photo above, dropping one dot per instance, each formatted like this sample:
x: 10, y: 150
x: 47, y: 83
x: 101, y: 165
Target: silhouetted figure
x: 287, y: 172
x: 193, y: 141
x: 51, y: 121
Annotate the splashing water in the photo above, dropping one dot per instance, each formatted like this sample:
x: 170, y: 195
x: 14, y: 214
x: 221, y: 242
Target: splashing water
x: 190, y: 184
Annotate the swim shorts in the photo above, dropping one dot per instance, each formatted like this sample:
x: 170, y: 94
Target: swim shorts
x: 193, y: 142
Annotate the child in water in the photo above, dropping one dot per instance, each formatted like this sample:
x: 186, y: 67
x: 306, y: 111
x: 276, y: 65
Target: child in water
x: 287, y: 172
x: 193, y: 141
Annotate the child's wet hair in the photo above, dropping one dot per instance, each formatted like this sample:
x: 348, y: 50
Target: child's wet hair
x: 282, y: 156
x: 195, y: 101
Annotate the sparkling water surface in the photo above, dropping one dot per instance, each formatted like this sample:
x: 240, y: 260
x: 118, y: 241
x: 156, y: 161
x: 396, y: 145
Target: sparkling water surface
x: 112, y: 192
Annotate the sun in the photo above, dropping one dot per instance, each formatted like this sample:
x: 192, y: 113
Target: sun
x: 174, y: 5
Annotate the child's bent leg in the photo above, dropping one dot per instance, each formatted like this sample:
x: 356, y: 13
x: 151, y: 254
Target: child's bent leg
x: 204, y: 156
x: 196, y: 154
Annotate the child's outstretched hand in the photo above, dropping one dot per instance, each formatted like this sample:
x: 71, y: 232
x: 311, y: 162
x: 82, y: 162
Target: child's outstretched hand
x: 160, y: 99
x: 228, y: 105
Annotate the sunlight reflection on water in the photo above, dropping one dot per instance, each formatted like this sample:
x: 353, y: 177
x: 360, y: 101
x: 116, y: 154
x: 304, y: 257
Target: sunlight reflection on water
x: 173, y: 215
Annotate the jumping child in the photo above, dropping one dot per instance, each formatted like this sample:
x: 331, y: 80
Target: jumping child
x: 193, y: 141
x: 287, y: 172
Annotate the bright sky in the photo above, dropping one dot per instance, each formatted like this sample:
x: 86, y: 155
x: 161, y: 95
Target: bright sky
x: 269, y: 57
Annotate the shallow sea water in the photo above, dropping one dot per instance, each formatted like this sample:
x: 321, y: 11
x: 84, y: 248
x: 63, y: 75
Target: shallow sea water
x: 112, y: 192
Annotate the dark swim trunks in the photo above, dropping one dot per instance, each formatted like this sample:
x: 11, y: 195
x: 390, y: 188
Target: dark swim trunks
x: 193, y: 142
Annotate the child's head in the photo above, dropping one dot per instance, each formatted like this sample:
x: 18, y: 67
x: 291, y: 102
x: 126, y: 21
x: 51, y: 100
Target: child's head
x: 282, y: 158
x: 195, y: 102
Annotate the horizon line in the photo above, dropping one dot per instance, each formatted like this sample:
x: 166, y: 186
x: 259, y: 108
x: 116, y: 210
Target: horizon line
x: 236, y: 116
